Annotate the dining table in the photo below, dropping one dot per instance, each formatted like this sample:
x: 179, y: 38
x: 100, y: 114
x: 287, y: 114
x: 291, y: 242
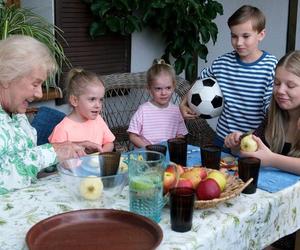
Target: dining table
x: 247, y: 221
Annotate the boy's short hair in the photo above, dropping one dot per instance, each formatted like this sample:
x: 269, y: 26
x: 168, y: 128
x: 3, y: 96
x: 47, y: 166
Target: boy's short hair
x: 246, y: 13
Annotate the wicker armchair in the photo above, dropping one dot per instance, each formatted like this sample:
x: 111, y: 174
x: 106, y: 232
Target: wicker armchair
x: 126, y: 91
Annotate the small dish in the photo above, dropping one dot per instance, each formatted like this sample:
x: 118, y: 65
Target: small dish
x: 229, y: 162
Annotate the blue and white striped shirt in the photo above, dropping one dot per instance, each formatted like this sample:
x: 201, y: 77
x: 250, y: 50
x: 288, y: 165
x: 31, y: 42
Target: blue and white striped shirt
x: 246, y: 88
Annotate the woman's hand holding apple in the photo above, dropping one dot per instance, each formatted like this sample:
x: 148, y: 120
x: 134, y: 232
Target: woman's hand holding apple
x: 262, y: 152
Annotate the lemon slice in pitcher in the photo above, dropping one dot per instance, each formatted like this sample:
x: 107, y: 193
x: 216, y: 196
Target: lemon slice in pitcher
x: 141, y: 184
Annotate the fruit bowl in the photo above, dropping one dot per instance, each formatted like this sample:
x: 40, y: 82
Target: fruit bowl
x: 233, y: 188
x: 89, y: 178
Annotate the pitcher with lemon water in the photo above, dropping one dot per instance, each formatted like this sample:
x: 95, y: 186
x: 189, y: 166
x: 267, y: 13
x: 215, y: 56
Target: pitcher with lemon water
x: 146, y: 173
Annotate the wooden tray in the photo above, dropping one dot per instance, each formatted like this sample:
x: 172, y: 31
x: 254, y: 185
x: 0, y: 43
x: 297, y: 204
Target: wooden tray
x: 95, y: 229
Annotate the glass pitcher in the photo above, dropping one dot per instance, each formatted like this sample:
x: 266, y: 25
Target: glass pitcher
x: 146, y: 173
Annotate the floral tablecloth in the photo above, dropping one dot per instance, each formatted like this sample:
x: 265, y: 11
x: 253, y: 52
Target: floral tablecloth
x: 245, y: 222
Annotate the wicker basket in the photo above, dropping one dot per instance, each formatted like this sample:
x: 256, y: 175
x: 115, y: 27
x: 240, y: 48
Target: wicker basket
x: 233, y: 188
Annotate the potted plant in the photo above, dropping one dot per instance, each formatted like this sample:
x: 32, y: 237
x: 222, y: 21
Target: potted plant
x: 186, y: 26
x: 15, y: 20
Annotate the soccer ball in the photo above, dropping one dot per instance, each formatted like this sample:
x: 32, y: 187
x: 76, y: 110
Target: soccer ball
x: 205, y: 98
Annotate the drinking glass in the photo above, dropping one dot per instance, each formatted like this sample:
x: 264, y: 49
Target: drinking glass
x: 178, y: 150
x: 181, y: 208
x: 111, y: 161
x: 157, y: 148
x: 211, y: 156
x: 248, y: 167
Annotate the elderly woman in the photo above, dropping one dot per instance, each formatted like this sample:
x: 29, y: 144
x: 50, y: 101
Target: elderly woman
x: 25, y: 64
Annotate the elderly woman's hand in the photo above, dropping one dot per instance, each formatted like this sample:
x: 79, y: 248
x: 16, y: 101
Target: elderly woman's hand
x: 90, y: 147
x: 67, y: 150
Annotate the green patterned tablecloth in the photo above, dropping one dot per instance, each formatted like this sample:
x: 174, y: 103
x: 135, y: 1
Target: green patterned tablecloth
x: 245, y: 222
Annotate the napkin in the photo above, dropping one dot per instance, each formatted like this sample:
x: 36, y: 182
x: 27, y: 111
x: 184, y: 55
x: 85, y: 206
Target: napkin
x: 193, y: 156
x: 270, y: 179
x: 273, y: 180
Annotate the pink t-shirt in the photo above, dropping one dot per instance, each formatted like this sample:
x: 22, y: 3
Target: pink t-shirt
x: 92, y: 130
x: 157, y: 124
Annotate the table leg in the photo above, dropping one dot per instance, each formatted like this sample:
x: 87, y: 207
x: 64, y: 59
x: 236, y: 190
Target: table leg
x: 297, y: 240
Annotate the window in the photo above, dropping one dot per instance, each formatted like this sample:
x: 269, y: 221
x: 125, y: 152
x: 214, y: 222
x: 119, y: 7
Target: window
x: 104, y: 55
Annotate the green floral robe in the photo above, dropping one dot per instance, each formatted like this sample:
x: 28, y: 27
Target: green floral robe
x: 20, y: 157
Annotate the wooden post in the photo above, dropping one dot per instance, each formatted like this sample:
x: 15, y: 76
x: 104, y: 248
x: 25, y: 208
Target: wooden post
x: 11, y: 2
x: 297, y: 240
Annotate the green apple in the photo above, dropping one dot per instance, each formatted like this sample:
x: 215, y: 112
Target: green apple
x: 248, y: 144
x: 91, y: 188
x: 219, y: 177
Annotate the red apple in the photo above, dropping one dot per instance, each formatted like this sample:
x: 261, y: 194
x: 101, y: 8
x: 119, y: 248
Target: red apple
x: 171, y: 169
x: 169, y: 181
x: 219, y: 177
x: 203, y: 173
x: 186, y: 183
x: 208, y: 189
x: 195, y: 174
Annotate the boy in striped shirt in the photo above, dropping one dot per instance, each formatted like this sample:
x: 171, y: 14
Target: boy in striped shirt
x: 158, y: 119
x: 245, y: 75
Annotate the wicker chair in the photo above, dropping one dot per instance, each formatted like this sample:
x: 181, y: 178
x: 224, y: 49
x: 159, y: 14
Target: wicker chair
x: 126, y: 91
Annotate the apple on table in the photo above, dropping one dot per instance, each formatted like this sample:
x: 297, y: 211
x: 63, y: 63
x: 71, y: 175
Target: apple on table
x: 195, y: 175
x: 169, y: 181
x: 219, y: 177
x: 208, y: 189
x: 184, y: 183
x: 171, y: 169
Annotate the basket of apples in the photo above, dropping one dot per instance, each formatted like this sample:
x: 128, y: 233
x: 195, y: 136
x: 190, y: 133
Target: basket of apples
x: 212, y: 187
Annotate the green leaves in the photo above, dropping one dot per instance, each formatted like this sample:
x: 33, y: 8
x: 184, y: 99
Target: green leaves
x: 15, y: 20
x: 115, y: 17
x: 186, y: 26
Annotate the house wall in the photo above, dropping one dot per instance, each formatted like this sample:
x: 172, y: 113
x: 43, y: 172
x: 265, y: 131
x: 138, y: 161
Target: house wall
x: 298, y: 29
x: 148, y: 45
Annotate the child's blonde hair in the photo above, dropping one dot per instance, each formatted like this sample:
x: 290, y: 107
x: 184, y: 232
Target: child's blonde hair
x: 158, y: 67
x: 246, y: 13
x: 277, y: 118
x: 78, y: 79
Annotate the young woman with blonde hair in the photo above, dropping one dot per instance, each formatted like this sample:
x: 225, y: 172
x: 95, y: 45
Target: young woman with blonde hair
x: 278, y: 137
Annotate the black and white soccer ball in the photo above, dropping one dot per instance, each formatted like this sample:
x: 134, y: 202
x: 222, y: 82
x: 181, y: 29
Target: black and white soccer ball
x: 205, y: 98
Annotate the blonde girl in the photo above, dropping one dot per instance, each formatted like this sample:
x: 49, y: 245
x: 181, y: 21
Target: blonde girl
x: 158, y: 119
x: 85, y: 92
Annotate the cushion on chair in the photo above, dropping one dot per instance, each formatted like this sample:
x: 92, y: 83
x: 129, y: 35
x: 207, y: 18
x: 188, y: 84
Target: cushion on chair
x: 44, y: 122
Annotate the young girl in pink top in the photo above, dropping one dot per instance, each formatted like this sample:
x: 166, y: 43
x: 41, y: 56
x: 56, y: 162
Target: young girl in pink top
x: 158, y: 119
x: 85, y: 92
